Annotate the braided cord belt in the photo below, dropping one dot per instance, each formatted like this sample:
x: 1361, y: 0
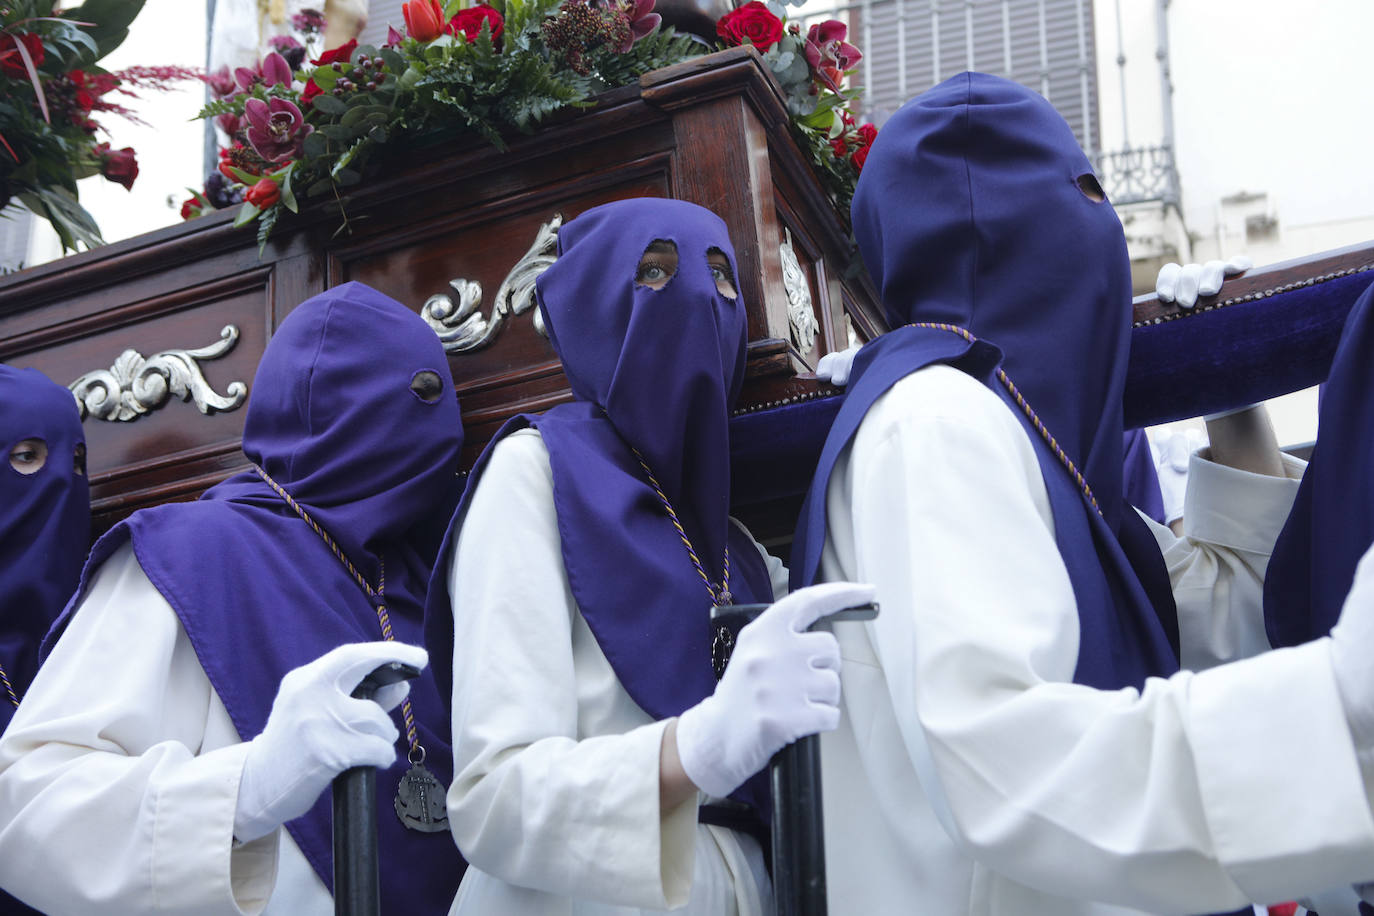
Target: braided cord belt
x: 377, y: 596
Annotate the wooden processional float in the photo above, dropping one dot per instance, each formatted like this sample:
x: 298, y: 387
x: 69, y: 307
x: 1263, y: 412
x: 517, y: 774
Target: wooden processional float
x: 158, y: 336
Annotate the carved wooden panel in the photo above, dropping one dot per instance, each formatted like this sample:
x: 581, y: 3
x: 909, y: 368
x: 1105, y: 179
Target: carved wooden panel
x: 712, y: 131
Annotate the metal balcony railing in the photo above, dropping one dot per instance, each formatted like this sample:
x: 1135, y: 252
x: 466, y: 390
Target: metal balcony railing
x: 1139, y: 175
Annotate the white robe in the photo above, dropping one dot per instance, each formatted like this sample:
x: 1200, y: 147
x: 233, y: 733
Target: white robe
x: 119, y: 776
x: 969, y: 775
x: 554, y: 800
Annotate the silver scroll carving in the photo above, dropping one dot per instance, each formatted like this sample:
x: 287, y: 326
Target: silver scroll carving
x: 135, y: 385
x: 460, y: 324
x: 801, y: 317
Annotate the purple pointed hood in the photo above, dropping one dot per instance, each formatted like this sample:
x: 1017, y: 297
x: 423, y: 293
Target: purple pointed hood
x: 970, y: 213
x: 657, y: 371
x: 45, y: 519
x: 340, y: 415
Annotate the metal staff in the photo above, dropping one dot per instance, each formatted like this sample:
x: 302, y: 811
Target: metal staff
x: 357, y: 885
x: 794, y: 782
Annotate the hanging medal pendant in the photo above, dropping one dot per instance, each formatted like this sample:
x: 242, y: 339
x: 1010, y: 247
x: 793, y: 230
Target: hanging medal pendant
x: 420, y: 800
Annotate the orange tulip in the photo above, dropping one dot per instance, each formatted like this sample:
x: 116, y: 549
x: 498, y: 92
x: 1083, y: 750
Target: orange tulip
x: 424, y: 19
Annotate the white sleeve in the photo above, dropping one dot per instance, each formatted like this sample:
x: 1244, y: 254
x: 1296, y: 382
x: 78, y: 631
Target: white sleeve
x: 106, y: 802
x: 1230, y: 523
x: 534, y: 802
x: 777, y: 569
x: 1171, y: 799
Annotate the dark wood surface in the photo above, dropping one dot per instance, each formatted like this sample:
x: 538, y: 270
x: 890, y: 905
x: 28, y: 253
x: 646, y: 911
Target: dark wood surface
x: 713, y: 131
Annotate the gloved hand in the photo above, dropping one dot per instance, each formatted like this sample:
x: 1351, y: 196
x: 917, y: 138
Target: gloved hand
x: 782, y: 683
x: 1184, y: 284
x: 834, y: 367
x: 316, y: 730
x: 1351, y: 660
x: 1173, y: 450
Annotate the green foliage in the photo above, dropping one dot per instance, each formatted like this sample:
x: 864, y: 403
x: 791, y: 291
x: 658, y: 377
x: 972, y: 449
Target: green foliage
x: 551, y: 55
x: 111, y: 20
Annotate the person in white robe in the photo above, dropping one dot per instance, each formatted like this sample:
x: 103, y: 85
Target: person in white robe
x: 599, y: 770
x: 1016, y: 735
x: 175, y: 750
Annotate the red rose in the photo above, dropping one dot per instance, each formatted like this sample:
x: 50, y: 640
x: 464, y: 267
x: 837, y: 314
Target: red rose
x: 190, y: 208
x: 867, y: 133
x: 753, y: 22
x: 263, y: 194
x: 343, y: 52
x: 470, y: 20
x: 118, y: 165
x: 11, y: 62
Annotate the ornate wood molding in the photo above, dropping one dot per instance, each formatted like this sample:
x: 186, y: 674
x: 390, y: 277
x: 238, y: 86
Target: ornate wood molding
x: 136, y: 385
x: 461, y: 326
x: 801, y: 315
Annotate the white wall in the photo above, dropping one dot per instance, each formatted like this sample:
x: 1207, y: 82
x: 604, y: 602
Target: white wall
x: 1269, y: 96
x: 169, y: 150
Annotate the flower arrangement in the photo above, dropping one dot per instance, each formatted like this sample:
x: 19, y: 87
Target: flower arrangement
x: 51, y: 90
x: 304, y: 130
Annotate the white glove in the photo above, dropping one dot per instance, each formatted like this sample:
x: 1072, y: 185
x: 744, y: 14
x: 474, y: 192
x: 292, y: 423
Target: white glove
x: 834, y: 366
x: 1173, y: 449
x: 1184, y: 284
x: 316, y: 730
x: 782, y: 683
x: 1351, y: 659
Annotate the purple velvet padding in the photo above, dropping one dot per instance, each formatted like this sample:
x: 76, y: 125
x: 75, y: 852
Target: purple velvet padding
x: 969, y: 213
x: 1331, y: 524
x: 45, y: 520
x: 333, y: 419
x: 1140, y: 477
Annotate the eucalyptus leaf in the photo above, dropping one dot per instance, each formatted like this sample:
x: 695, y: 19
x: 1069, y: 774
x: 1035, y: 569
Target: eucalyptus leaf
x: 329, y: 105
x: 347, y: 177
x: 394, y: 61
x: 340, y: 132
x: 362, y: 51
x: 247, y: 213
x: 315, y: 145
x: 288, y: 197
x: 325, y: 77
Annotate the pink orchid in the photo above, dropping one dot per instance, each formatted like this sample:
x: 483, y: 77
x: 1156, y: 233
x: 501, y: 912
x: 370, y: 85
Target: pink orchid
x: 643, y: 20
x: 275, y: 70
x: 221, y: 82
x: 276, y: 130
x: 829, y: 54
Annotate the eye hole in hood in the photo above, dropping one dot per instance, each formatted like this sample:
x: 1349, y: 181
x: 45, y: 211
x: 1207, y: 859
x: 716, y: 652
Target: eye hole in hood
x: 1087, y: 183
x: 427, y: 386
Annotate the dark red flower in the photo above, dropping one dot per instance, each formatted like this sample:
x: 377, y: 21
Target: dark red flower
x: 343, y: 52
x: 470, y: 21
x: 867, y: 133
x: 12, y: 62
x: 118, y: 165
x: 424, y: 19
x: 829, y: 54
x: 263, y: 194
x: 221, y: 82
x: 752, y: 22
